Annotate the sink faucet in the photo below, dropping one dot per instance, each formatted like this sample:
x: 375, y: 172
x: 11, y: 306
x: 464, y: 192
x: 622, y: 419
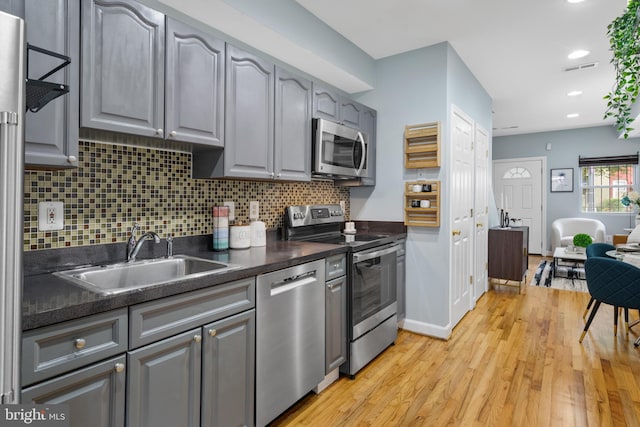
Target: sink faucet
x: 133, y: 246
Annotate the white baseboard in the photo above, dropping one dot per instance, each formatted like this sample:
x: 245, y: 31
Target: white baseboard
x: 442, y: 332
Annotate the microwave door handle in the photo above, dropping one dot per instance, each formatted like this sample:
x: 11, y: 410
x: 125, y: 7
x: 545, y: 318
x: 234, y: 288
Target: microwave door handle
x: 364, y: 153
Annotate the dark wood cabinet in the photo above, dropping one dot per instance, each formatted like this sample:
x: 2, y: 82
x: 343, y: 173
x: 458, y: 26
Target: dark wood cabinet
x: 508, y: 253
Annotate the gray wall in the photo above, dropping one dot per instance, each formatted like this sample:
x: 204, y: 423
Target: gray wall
x: 411, y: 88
x: 566, y: 146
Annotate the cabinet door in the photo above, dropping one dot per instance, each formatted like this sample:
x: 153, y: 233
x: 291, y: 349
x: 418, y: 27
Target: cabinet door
x: 13, y: 7
x: 368, y: 125
x: 292, y: 127
x: 122, y: 67
x: 350, y: 112
x: 335, y: 324
x: 228, y: 371
x: 51, y: 134
x: 248, y: 116
x: 326, y: 103
x: 164, y: 382
x: 194, y: 99
x: 95, y: 394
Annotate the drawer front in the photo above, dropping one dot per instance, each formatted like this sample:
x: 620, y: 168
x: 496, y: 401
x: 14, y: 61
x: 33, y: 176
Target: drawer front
x: 335, y: 266
x: 56, y: 349
x: 154, y: 320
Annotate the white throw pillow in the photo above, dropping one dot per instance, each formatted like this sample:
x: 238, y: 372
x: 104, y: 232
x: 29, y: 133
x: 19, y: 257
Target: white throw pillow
x: 634, y: 237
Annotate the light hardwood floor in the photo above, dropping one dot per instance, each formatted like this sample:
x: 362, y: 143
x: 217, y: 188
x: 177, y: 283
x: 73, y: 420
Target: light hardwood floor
x: 514, y: 360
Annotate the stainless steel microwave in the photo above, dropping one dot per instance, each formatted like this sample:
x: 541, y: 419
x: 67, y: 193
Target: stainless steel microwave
x: 339, y: 152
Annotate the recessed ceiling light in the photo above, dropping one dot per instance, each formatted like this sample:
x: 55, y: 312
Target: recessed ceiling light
x: 578, y: 54
x: 575, y: 93
x: 573, y: 115
x: 575, y: 1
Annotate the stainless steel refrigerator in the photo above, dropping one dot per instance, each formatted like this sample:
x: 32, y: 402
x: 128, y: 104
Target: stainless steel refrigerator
x: 12, y: 112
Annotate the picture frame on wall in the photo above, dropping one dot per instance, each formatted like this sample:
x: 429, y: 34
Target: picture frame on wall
x: 562, y: 180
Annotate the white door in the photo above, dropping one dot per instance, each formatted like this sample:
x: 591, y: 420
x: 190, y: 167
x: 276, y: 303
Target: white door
x: 481, y: 211
x: 461, y: 206
x: 518, y: 185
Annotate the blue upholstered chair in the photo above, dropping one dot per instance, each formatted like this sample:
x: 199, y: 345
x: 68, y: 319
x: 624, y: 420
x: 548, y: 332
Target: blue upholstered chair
x: 594, y: 250
x: 613, y: 282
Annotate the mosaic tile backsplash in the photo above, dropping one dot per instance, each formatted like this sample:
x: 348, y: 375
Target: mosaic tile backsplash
x: 117, y: 185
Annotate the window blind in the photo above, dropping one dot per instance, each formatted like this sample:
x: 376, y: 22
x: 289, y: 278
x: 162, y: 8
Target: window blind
x: 608, y: 161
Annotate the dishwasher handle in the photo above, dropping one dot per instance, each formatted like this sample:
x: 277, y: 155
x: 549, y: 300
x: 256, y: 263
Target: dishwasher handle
x: 364, y: 256
x: 293, y: 282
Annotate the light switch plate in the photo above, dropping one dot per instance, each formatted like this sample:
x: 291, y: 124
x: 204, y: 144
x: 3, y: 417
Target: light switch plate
x: 232, y: 210
x: 254, y: 209
x: 50, y: 216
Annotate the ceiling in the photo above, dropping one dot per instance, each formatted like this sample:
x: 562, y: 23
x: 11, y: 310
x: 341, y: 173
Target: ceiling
x: 517, y: 49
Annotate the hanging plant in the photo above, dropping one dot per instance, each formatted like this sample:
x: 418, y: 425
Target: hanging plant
x: 624, y: 39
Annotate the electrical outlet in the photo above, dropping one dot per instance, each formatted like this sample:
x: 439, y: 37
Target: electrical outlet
x: 50, y: 216
x: 422, y: 174
x: 343, y: 206
x: 254, y: 209
x: 232, y: 210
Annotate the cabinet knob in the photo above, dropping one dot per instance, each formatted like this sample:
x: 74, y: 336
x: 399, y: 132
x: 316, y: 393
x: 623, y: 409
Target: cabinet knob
x: 159, y: 131
x: 456, y: 232
x: 279, y: 175
x: 272, y: 174
x: 197, y: 338
x: 212, y: 332
x: 79, y: 343
x: 173, y: 133
x: 72, y: 159
x: 119, y: 367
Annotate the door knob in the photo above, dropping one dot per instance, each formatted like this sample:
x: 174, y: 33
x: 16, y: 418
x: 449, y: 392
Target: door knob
x: 456, y: 232
x: 479, y: 224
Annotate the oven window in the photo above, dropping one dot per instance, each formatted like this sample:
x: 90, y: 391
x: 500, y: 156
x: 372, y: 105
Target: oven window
x: 374, y: 286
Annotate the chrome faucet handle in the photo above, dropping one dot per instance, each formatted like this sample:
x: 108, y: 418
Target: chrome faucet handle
x: 131, y: 242
x: 169, y: 246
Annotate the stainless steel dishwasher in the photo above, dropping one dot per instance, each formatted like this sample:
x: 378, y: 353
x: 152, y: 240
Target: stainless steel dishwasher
x: 289, y: 337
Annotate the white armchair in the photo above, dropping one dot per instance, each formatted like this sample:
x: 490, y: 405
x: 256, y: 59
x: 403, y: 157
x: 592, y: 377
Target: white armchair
x: 563, y: 230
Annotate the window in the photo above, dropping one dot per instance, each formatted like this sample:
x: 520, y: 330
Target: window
x: 517, y: 173
x: 605, y: 180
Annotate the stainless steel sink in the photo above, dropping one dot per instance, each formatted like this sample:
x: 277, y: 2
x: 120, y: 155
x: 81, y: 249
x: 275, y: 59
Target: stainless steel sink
x: 123, y: 277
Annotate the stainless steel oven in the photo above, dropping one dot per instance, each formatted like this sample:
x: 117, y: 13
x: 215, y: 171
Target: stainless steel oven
x: 371, y: 279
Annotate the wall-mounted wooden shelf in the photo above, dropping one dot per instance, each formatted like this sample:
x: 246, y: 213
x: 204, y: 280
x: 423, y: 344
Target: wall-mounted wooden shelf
x: 422, y: 217
x: 422, y: 146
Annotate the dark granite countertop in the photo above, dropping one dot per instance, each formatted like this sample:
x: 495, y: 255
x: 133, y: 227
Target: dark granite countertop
x: 49, y: 299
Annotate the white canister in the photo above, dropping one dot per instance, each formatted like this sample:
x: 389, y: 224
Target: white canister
x: 258, y: 234
x: 417, y: 188
x: 239, y: 236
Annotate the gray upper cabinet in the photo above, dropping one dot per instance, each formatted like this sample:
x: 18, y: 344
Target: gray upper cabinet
x: 326, y: 103
x: 368, y: 121
x: 164, y: 382
x: 228, y: 360
x: 194, y: 99
x: 95, y: 394
x: 350, y: 112
x: 292, y: 148
x: 13, y: 7
x: 249, y: 116
x: 51, y: 134
x: 122, y: 67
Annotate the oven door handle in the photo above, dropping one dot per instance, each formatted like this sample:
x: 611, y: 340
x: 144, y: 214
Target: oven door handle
x: 364, y: 256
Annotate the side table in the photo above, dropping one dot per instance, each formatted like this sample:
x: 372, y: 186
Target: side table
x: 509, y: 255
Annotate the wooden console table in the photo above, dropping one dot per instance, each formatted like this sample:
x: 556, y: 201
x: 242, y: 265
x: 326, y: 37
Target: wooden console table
x: 509, y: 256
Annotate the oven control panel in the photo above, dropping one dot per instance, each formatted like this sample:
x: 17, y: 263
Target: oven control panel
x: 303, y: 215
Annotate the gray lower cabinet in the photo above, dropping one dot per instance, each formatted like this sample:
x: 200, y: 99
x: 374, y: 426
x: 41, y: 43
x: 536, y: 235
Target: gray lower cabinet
x: 228, y: 371
x: 122, y: 67
x: 335, y: 323
x: 194, y: 98
x: 95, y: 394
x: 164, y: 382
x: 401, y: 280
x: 51, y: 134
